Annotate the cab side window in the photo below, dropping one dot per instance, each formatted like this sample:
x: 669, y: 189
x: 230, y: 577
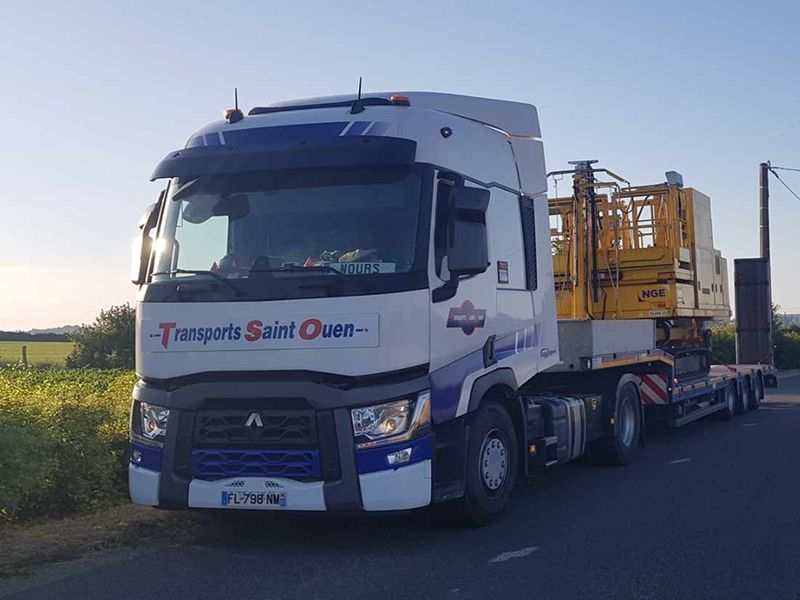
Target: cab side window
x: 440, y: 232
x: 529, y: 241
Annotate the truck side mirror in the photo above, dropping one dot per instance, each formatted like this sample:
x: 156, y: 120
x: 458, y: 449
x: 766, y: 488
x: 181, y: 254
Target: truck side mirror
x: 468, y: 248
x: 143, y: 243
x: 467, y: 244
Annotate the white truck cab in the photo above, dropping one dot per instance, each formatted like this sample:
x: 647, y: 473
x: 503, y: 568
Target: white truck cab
x: 329, y: 290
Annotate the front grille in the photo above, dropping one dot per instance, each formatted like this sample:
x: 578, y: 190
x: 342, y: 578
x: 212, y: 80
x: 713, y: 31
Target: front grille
x: 258, y: 428
x: 211, y: 465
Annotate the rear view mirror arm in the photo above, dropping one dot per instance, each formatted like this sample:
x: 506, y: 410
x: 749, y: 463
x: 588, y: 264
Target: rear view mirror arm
x: 445, y: 291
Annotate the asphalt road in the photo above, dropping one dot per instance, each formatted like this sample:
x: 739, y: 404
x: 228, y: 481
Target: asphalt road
x: 707, y: 511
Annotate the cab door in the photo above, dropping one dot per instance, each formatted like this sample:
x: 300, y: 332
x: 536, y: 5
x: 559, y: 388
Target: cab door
x: 463, y: 315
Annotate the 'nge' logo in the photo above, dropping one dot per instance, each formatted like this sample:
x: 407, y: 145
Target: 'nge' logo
x: 652, y: 294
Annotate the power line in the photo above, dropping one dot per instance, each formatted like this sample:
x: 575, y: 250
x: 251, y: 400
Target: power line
x: 791, y: 191
x: 785, y: 169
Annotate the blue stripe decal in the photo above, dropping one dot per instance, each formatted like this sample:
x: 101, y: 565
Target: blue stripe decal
x: 374, y: 459
x: 447, y: 381
x: 260, y: 136
x: 515, y: 342
x: 284, y: 133
x: 378, y: 128
x: 446, y: 385
x: 149, y: 457
x: 358, y: 128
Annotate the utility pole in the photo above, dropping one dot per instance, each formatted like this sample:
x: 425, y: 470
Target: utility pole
x: 763, y: 213
x: 763, y: 209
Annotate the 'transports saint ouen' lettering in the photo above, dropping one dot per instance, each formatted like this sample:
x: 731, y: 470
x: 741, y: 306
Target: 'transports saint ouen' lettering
x: 309, y: 329
x: 198, y: 334
x: 257, y: 330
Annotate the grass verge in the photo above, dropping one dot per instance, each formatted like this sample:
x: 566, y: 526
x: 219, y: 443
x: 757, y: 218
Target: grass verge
x: 33, y: 544
x: 63, y: 441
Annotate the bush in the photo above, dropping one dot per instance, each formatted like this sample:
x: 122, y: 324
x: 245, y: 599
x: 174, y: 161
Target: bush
x: 108, y: 343
x: 787, y: 348
x: 723, y: 345
x: 786, y: 339
x: 63, y: 440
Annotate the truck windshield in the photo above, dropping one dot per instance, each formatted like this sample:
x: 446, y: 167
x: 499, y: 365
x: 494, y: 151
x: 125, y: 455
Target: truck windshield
x: 321, y: 223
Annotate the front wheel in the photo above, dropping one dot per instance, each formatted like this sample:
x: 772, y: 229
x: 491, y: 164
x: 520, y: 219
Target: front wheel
x: 491, y: 464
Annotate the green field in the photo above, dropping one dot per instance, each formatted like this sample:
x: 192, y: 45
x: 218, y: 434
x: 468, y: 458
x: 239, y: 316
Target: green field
x: 39, y: 353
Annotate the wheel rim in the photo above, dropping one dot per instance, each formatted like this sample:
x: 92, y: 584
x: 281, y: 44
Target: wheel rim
x: 627, y: 422
x: 494, y: 461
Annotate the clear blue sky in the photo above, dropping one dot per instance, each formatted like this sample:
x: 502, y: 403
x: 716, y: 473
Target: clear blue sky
x: 94, y: 94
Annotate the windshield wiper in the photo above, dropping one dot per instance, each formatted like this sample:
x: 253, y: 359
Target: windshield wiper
x: 224, y: 280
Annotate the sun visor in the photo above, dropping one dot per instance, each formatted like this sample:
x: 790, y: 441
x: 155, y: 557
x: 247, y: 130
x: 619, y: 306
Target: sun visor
x: 299, y: 154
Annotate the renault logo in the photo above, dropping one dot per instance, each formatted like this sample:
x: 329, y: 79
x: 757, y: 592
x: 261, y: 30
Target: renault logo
x: 254, y: 420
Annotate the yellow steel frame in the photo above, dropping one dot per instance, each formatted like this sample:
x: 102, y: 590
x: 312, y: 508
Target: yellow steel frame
x: 625, y: 252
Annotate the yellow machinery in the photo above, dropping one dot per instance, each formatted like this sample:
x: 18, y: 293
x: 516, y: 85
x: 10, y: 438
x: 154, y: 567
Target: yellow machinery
x: 644, y: 252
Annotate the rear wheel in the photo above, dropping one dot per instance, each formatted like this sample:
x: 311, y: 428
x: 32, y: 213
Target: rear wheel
x: 745, y: 394
x: 491, y: 464
x: 729, y: 397
x: 758, y: 392
x: 620, y: 447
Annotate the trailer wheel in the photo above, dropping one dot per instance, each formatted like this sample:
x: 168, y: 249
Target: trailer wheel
x: 491, y: 464
x: 752, y: 399
x: 730, y: 397
x: 758, y: 392
x: 744, y: 396
x: 620, y: 447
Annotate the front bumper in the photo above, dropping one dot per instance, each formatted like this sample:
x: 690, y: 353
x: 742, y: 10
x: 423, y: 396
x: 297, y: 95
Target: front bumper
x: 350, y: 480
x: 393, y: 489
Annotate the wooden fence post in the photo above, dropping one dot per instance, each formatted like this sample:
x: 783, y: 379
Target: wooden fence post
x: 25, y: 356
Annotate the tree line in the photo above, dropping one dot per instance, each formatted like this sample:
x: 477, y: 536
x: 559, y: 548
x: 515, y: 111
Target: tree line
x: 24, y: 336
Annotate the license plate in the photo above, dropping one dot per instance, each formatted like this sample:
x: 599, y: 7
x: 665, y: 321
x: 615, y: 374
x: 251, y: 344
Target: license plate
x: 255, y: 499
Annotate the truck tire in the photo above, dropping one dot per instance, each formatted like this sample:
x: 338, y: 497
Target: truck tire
x: 758, y: 392
x: 730, y: 398
x: 491, y: 464
x: 620, y: 447
x: 744, y: 397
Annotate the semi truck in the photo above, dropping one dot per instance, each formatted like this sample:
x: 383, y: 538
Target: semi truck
x: 348, y: 304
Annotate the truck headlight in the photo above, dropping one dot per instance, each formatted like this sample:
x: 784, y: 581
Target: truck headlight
x: 391, y: 422
x: 153, y: 421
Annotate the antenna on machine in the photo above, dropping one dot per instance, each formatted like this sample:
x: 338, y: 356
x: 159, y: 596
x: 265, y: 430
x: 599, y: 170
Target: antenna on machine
x: 236, y: 98
x: 357, y: 106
